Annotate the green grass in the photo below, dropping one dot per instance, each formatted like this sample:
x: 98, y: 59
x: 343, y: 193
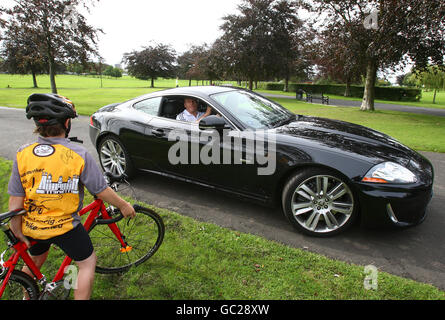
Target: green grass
x: 420, y: 132
x: 202, y: 261
x: 5, y: 169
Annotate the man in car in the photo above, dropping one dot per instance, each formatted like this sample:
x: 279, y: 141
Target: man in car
x: 191, y: 113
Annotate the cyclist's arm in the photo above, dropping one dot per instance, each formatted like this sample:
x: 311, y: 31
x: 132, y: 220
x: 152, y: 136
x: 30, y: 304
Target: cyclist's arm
x: 111, y: 197
x: 16, y: 203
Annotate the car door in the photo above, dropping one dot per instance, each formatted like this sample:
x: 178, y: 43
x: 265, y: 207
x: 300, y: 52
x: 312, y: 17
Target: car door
x: 238, y: 168
x: 134, y: 135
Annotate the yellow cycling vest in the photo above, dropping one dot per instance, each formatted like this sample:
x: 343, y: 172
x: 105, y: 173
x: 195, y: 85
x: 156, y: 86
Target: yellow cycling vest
x: 51, y: 175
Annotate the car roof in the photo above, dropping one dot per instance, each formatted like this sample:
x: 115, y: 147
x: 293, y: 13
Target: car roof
x: 199, y: 90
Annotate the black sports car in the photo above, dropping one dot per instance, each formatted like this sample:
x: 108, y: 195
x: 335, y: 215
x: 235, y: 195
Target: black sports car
x: 324, y: 173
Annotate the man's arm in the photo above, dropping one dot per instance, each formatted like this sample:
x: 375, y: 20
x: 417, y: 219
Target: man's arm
x: 111, y: 197
x: 16, y: 203
x: 206, y: 114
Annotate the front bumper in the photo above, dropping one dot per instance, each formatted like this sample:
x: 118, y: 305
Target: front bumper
x: 94, y: 134
x: 400, y: 206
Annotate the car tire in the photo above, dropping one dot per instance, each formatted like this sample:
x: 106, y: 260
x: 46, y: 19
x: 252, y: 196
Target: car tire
x: 114, y: 158
x: 319, y: 202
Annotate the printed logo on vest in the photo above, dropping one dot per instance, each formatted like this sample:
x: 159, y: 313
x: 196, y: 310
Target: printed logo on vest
x: 44, y: 150
x: 47, y: 186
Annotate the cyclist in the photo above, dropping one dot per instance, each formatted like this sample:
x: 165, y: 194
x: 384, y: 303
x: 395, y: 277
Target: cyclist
x: 48, y: 179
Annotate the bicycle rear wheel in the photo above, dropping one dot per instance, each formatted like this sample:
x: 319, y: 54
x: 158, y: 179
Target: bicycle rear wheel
x: 143, y: 234
x: 20, y: 283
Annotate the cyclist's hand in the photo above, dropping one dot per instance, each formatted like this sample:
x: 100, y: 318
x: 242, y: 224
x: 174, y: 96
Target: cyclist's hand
x: 16, y: 228
x: 128, y: 210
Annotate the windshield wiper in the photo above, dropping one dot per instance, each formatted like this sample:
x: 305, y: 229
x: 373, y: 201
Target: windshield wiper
x: 283, y: 122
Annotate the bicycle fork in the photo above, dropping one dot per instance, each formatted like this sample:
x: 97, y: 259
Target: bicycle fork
x: 92, y: 221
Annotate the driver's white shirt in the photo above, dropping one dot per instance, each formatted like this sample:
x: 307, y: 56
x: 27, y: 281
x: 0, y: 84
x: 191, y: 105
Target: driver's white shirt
x: 187, y: 116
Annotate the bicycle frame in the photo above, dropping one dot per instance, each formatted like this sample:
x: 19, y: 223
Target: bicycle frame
x: 21, y: 248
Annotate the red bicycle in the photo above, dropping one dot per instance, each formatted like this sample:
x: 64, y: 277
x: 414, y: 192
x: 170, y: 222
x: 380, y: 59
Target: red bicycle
x: 119, y: 245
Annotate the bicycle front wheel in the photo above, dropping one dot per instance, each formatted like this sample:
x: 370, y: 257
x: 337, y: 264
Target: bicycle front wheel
x: 20, y: 287
x: 143, y: 234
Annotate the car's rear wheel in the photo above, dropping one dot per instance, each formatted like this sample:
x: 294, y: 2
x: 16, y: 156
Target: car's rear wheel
x: 114, y: 157
x: 319, y: 203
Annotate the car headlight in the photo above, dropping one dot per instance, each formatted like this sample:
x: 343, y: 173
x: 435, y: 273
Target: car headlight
x: 389, y: 172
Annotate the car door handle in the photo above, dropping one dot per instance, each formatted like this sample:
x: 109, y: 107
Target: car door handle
x: 158, y: 132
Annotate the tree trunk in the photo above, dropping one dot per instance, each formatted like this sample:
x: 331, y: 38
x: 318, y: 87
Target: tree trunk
x: 348, y: 88
x: 286, y: 84
x: 52, y: 75
x: 250, y: 84
x: 190, y: 82
x: 434, y: 97
x: 152, y: 83
x: 369, y: 94
x: 34, y: 79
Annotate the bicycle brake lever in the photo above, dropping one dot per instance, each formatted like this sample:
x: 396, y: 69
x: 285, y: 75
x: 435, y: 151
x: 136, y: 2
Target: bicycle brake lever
x: 75, y: 139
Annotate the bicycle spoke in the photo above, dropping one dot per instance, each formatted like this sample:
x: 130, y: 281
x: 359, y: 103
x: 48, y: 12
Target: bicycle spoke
x: 143, y: 234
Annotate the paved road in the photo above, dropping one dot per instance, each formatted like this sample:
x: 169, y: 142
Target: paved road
x: 378, y: 106
x: 417, y: 253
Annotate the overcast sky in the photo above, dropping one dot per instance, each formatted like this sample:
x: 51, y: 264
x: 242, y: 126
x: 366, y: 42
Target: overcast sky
x: 131, y: 24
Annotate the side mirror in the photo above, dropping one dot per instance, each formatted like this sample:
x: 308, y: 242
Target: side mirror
x: 212, y: 122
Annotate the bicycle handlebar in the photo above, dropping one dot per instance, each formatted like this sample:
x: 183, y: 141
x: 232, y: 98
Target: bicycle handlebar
x: 7, y: 215
x: 119, y: 217
x: 110, y: 221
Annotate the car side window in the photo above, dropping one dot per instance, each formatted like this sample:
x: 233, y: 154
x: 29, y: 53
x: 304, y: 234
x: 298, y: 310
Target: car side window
x: 149, y: 106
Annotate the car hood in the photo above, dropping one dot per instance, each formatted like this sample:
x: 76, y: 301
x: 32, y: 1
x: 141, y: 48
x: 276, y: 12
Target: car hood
x: 344, y: 137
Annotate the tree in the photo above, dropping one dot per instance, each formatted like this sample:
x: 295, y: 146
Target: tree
x: 21, y: 55
x: 263, y: 41
x: 151, y: 62
x: 249, y: 35
x: 194, y: 63
x: 289, y: 39
x: 389, y: 32
x: 433, y: 78
x: 337, y: 58
x: 57, y: 29
x: 113, y: 72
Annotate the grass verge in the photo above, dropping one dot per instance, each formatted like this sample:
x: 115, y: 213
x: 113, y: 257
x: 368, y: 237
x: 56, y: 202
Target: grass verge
x: 419, y: 132
x: 202, y: 261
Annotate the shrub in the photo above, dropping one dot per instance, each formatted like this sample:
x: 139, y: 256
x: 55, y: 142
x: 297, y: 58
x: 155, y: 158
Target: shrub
x: 382, y: 93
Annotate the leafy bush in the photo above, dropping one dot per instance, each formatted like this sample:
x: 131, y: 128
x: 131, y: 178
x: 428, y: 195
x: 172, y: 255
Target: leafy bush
x: 382, y: 93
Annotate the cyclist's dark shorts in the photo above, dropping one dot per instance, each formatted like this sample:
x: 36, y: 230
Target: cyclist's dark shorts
x: 75, y: 243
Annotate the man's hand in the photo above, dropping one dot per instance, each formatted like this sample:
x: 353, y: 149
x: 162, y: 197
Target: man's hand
x: 16, y: 203
x: 111, y: 197
x: 128, y: 210
x: 16, y: 228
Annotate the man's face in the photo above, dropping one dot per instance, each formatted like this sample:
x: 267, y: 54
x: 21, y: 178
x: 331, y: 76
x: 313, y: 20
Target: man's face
x: 190, y: 105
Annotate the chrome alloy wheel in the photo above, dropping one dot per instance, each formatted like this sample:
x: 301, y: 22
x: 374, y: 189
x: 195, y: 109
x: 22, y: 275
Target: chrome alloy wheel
x: 112, y: 157
x: 322, y: 204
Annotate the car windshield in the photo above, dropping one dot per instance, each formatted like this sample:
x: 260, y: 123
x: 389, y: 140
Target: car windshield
x: 252, y: 110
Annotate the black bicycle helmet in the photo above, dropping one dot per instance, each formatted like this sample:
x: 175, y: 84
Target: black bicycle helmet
x: 49, y: 109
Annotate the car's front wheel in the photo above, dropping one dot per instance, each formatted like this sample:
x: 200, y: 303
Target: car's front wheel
x: 114, y: 157
x: 319, y: 203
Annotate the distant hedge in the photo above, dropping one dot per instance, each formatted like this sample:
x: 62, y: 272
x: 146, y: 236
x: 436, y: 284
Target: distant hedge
x: 382, y: 93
